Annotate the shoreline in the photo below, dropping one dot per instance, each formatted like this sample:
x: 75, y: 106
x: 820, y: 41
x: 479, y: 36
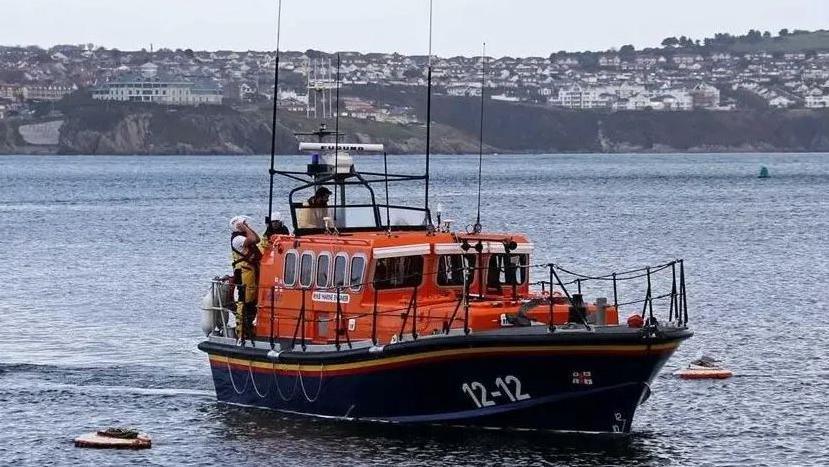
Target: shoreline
x: 491, y: 155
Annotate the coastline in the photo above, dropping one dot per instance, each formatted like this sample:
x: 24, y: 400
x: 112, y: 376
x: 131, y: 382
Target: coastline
x: 92, y: 128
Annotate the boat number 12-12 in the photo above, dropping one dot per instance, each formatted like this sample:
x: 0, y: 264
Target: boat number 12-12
x: 509, y: 387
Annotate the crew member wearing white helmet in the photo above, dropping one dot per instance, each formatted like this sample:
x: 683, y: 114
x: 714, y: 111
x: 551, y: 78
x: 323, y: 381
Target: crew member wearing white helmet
x: 246, y: 255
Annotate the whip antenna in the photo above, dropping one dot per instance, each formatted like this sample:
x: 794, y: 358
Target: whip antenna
x: 428, y: 112
x: 477, y: 227
x: 386, y: 176
x: 272, y: 171
x: 337, y: 138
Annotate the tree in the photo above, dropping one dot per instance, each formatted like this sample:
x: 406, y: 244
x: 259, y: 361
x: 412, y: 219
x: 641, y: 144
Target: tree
x: 627, y: 51
x: 766, y: 35
x: 189, y: 53
x: 670, y: 42
x: 686, y: 42
x: 314, y: 54
x: 784, y: 32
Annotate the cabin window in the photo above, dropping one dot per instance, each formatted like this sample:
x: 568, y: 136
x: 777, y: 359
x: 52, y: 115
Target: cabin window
x: 289, y: 276
x: 451, y: 269
x: 358, y: 265
x: 400, y: 272
x: 306, y: 266
x: 339, y: 270
x: 506, y: 271
x: 323, y: 262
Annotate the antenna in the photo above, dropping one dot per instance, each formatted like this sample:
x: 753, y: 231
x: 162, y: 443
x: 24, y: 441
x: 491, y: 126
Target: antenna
x: 272, y: 172
x: 428, y: 112
x: 477, y: 227
x: 337, y: 139
x: 386, y: 176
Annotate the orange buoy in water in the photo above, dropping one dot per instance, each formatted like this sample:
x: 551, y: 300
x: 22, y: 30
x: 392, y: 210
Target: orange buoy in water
x: 114, y: 438
x: 704, y: 368
x: 704, y: 373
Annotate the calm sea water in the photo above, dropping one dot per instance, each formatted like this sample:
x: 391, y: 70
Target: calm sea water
x: 106, y: 259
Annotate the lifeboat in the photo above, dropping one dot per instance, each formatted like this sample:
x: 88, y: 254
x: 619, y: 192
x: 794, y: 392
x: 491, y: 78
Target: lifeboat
x: 379, y: 312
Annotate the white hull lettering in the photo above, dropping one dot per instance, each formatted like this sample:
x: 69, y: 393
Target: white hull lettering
x: 330, y: 297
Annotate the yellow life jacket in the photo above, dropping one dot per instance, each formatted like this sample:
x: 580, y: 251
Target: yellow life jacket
x: 245, y: 271
x: 249, y: 260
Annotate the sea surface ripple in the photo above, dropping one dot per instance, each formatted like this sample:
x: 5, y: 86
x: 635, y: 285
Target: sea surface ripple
x: 107, y: 259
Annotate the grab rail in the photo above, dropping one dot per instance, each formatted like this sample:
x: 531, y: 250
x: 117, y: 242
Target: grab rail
x: 677, y: 306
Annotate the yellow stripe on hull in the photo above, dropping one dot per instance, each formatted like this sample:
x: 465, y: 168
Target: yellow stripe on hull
x: 378, y: 363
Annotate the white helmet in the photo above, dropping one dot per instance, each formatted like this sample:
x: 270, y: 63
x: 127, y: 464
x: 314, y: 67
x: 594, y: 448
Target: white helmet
x: 237, y: 221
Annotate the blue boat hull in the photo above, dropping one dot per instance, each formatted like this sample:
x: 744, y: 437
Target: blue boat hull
x: 535, y: 385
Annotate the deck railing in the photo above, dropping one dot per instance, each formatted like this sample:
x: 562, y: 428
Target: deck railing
x: 557, y: 278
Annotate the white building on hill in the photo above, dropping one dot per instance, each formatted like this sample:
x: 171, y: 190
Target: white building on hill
x: 578, y: 97
x: 151, y: 86
x: 45, y: 92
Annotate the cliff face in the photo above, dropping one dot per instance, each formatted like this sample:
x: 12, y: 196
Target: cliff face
x: 8, y: 138
x: 521, y: 128
x: 750, y: 131
x: 146, y: 129
x: 123, y: 128
x: 11, y: 141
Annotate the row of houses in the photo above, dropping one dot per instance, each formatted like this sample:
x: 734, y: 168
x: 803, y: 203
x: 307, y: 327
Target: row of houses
x: 34, y: 92
x: 665, y: 78
x: 637, y: 97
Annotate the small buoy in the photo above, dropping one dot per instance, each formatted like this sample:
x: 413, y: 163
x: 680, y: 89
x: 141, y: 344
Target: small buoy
x: 764, y: 172
x: 704, y: 373
x: 704, y: 368
x: 114, y: 438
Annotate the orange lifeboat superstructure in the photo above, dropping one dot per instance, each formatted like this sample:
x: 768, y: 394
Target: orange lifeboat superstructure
x: 309, y: 273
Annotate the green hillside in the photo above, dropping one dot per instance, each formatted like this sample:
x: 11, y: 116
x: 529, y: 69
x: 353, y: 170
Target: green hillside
x: 796, y: 42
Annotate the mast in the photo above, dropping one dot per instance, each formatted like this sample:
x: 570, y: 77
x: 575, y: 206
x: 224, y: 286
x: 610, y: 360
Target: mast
x: 337, y: 145
x: 272, y: 171
x: 428, y: 112
x: 477, y: 227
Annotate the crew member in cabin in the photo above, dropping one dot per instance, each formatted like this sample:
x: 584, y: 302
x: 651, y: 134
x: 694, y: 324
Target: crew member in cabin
x: 314, y: 211
x: 246, y: 256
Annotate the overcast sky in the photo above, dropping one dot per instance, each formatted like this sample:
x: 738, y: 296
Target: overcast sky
x: 510, y: 27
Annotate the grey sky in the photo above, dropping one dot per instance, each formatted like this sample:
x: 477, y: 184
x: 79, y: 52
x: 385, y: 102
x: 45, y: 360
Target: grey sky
x: 516, y: 27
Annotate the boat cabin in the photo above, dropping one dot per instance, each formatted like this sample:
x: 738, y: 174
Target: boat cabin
x: 356, y: 268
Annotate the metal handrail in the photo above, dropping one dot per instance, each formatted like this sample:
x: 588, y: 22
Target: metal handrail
x: 677, y: 306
